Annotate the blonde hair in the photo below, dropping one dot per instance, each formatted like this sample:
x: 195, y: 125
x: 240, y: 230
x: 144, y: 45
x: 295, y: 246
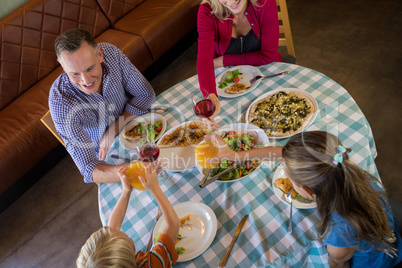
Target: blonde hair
x: 220, y: 11
x: 343, y: 188
x: 103, y: 249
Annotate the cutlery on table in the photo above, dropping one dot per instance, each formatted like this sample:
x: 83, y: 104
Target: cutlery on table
x: 238, y: 230
x: 150, y: 238
x: 288, y: 195
x: 264, y: 77
x: 120, y: 157
x: 206, y: 182
x: 205, y: 177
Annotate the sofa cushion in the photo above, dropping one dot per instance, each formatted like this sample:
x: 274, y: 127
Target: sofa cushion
x: 152, y: 20
x: 133, y: 46
x: 23, y: 137
x: 116, y: 9
x: 28, y: 34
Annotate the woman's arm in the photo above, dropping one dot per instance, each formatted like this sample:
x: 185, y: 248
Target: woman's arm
x: 205, y: 56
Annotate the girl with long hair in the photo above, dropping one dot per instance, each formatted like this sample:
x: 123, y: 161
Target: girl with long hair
x: 357, y: 225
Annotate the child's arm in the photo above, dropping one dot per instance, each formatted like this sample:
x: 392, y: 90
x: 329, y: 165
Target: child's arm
x: 119, y: 211
x: 270, y: 153
x: 172, y: 220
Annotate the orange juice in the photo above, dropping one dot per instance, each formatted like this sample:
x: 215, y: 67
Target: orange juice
x: 206, y: 151
x: 134, y: 170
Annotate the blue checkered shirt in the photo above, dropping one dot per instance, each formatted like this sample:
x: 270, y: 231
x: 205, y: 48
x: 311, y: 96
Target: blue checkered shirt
x: 81, y: 119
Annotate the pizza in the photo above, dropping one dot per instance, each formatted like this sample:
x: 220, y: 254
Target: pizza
x: 284, y: 184
x: 281, y: 114
x: 184, y: 220
x: 236, y: 88
x: 188, y: 134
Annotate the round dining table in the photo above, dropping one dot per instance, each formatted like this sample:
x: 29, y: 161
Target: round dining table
x: 264, y: 240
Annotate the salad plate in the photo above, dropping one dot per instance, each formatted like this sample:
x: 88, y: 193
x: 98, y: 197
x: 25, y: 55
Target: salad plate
x: 280, y: 173
x: 197, y: 234
x: 261, y: 140
x: 149, y: 118
x: 247, y: 72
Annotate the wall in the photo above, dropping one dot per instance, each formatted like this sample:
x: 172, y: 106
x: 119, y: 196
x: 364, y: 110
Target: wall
x: 9, y: 5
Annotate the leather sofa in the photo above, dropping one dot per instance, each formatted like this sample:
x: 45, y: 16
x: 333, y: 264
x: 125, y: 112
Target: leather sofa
x: 143, y: 29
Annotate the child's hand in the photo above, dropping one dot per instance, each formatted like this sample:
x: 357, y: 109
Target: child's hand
x: 225, y: 152
x: 123, y: 178
x: 151, y: 180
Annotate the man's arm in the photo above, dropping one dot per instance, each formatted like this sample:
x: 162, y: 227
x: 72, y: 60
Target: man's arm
x: 111, y: 133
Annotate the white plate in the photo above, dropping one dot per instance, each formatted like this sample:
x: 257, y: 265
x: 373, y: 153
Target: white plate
x: 241, y: 128
x: 307, y: 95
x: 146, y: 118
x: 202, y: 233
x: 177, y: 158
x: 248, y: 73
x: 279, y: 173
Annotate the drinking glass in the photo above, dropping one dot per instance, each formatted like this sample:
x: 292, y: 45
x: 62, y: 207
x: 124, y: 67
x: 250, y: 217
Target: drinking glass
x: 148, y: 151
x: 203, y: 107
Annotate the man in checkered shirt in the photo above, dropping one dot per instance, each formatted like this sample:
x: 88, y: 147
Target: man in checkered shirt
x: 88, y: 101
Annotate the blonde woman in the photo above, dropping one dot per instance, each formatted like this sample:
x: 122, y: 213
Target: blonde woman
x: 357, y: 225
x: 111, y: 247
x: 235, y: 32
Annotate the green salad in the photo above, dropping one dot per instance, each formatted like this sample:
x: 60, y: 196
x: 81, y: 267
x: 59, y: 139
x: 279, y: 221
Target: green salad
x: 237, y: 142
x: 230, y: 77
x: 149, y: 131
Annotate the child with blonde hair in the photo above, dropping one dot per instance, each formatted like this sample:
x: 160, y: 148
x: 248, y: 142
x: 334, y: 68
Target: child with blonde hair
x: 111, y: 247
x: 357, y: 225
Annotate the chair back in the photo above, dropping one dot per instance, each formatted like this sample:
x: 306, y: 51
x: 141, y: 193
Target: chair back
x: 48, y: 122
x: 285, y: 34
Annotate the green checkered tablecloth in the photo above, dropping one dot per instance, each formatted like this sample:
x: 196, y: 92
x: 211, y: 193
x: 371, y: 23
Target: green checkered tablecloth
x: 264, y: 241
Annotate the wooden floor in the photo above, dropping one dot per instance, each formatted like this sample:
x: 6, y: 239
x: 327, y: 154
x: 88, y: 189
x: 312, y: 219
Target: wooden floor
x: 356, y: 43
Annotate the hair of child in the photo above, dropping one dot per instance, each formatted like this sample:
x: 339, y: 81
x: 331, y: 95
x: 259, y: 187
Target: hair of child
x: 339, y: 187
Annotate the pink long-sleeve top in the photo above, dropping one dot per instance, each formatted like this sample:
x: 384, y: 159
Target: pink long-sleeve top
x: 214, y: 38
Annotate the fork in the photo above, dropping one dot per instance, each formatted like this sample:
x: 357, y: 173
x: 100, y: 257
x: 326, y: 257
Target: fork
x: 253, y: 80
x: 288, y: 195
x: 150, y: 238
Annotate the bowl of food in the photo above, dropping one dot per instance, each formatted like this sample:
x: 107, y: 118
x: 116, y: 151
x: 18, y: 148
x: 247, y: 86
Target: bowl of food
x: 238, y: 137
x: 151, y: 126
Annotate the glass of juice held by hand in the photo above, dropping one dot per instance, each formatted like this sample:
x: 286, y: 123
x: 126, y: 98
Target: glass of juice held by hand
x: 204, y: 152
x: 134, y: 170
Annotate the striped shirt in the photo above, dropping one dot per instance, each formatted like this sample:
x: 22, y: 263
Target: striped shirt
x: 162, y: 255
x: 81, y: 119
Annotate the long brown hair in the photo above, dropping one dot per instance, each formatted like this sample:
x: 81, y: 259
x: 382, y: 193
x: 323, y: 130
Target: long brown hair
x: 339, y: 187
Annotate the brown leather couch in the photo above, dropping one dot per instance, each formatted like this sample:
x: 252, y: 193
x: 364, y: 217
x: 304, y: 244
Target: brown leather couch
x: 143, y: 29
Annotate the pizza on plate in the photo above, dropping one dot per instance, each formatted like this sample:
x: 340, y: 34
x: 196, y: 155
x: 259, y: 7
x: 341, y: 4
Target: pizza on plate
x: 281, y: 114
x: 188, y: 134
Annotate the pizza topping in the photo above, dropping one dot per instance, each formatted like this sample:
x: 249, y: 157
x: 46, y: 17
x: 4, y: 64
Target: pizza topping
x: 190, y: 133
x: 281, y: 113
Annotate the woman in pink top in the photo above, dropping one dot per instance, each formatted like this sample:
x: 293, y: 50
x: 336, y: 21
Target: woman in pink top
x: 235, y: 32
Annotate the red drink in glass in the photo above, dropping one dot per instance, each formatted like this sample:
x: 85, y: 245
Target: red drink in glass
x: 204, y: 108
x: 149, y: 153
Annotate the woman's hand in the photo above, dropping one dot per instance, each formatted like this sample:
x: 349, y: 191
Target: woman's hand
x: 218, y: 62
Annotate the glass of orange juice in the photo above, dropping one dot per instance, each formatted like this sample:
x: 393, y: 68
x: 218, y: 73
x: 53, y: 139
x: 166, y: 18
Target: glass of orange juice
x: 204, y: 152
x: 134, y: 170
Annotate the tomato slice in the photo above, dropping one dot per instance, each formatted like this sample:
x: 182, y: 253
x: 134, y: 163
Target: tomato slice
x: 158, y: 129
x: 236, y: 79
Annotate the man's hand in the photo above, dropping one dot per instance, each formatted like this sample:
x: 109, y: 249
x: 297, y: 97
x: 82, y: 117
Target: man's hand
x: 106, y: 143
